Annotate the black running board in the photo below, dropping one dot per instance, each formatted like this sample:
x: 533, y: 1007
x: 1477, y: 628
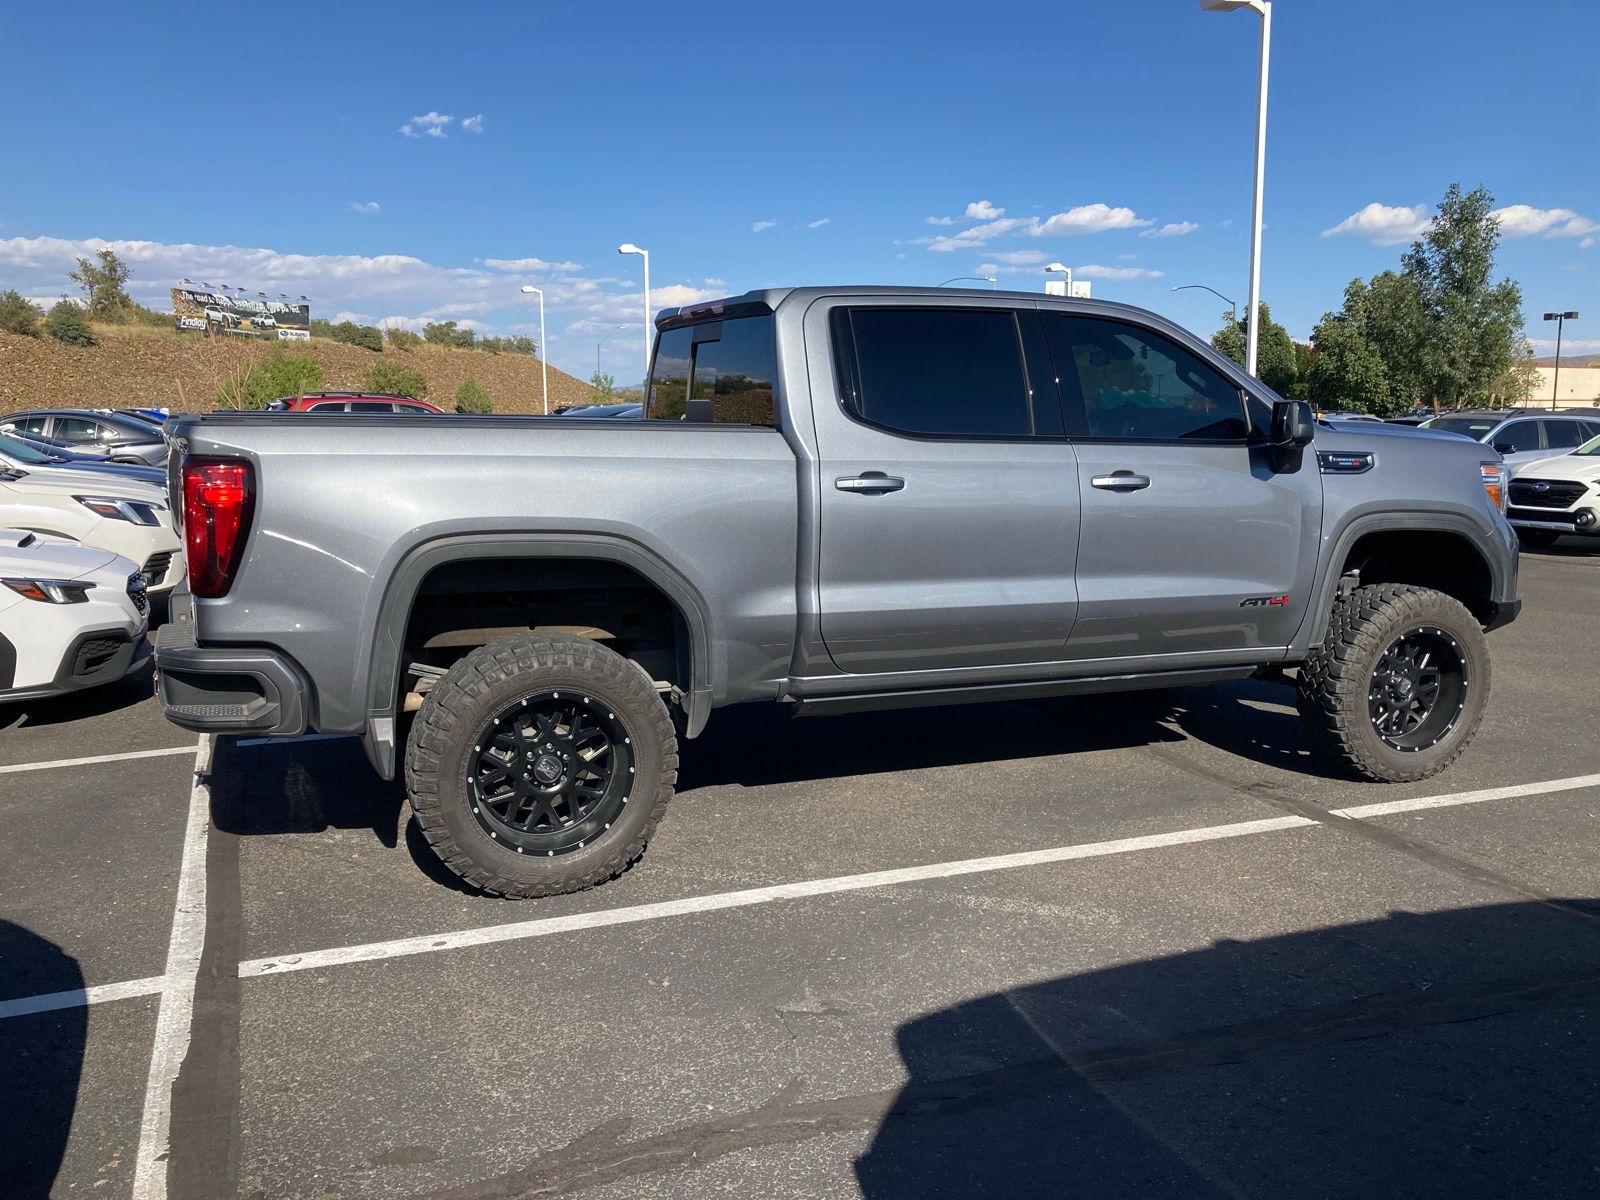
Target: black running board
x: 822, y: 706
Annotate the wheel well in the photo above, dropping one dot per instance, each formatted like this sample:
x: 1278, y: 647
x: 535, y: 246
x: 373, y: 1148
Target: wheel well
x: 468, y: 603
x: 1445, y: 562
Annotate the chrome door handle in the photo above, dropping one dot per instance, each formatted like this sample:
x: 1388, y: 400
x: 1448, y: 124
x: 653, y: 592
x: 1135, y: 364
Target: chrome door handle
x: 1120, y: 481
x: 870, y: 483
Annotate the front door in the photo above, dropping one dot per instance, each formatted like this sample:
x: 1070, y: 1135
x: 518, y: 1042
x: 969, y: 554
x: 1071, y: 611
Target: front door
x: 948, y: 502
x: 1192, y: 547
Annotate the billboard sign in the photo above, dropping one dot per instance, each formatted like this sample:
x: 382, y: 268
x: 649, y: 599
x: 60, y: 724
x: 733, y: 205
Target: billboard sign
x: 215, y: 312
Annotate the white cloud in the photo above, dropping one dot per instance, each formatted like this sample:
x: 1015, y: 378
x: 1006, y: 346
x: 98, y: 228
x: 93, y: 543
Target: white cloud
x: 1023, y: 258
x: 982, y: 210
x: 1096, y: 271
x: 371, y: 206
x: 1126, y: 257
x: 818, y: 224
x: 758, y: 226
x: 1384, y: 224
x: 1587, y: 242
x: 431, y: 123
x: 1088, y: 218
x: 976, y: 236
x: 716, y: 283
x: 528, y: 264
x: 472, y: 124
x: 1172, y: 229
x: 940, y: 220
x: 1568, y: 345
x: 1523, y: 220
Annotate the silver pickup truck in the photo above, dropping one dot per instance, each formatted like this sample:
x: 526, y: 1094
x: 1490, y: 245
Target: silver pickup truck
x: 839, y: 499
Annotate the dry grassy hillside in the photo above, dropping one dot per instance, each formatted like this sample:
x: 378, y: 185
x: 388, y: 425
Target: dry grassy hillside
x: 147, y: 367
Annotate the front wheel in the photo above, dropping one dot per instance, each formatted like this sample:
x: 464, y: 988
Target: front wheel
x: 541, y: 764
x: 1398, y: 687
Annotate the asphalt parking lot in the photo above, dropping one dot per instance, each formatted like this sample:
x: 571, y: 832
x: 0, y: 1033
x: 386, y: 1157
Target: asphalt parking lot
x: 1090, y: 948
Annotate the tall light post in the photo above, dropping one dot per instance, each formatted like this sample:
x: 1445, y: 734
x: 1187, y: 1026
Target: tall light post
x: 544, y: 351
x: 1263, y: 9
x: 630, y: 248
x: 601, y: 343
x: 1560, y: 318
x: 1231, y: 304
x: 1060, y: 269
x: 989, y: 279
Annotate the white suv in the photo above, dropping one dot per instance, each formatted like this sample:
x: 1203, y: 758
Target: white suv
x: 1557, y: 495
x: 122, y: 516
x: 71, y: 617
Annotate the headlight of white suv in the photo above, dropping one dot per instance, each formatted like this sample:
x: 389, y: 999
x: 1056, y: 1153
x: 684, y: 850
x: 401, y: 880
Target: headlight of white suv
x: 138, y: 512
x: 51, y: 591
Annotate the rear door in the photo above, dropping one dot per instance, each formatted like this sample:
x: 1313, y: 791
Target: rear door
x: 1191, y: 545
x: 948, y: 498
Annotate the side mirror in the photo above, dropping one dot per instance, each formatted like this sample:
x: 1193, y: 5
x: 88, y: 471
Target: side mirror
x: 1504, y: 448
x: 1293, y: 427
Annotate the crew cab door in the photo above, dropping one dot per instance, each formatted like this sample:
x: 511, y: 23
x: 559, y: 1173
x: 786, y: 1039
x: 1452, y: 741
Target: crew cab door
x: 1193, y: 549
x: 947, y: 498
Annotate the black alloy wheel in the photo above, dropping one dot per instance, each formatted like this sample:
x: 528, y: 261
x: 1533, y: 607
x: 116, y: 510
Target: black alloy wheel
x: 550, y: 773
x: 1418, y: 689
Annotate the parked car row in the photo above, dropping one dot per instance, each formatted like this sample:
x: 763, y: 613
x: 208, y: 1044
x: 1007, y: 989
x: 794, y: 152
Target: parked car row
x: 86, y: 537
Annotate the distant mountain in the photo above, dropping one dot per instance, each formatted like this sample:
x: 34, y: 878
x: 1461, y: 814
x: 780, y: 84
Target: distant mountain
x: 1569, y: 360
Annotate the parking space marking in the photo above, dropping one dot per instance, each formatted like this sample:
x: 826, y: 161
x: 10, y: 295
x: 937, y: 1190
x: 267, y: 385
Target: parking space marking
x: 604, y: 918
x: 170, y: 751
x: 174, y: 1021
x: 26, y: 1006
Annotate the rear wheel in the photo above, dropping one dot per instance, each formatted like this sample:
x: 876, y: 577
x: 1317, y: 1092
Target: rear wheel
x: 540, y: 765
x: 1398, y: 687
x: 1537, y: 538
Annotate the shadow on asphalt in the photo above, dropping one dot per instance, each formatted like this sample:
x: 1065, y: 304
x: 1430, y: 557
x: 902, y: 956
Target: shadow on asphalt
x: 41, y: 1058
x: 76, y: 706
x: 1442, y: 1055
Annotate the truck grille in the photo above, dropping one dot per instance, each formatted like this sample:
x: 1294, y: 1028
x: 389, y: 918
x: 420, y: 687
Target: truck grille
x: 136, y: 592
x: 1546, y: 493
x: 157, y: 565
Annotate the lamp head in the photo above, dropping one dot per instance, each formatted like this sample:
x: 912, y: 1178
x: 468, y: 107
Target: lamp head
x: 629, y: 248
x: 1056, y: 267
x: 528, y: 289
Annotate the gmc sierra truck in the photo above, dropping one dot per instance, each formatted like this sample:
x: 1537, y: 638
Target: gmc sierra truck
x: 838, y: 499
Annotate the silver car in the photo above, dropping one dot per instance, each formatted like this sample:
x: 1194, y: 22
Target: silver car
x: 1522, y: 436
x: 109, y: 435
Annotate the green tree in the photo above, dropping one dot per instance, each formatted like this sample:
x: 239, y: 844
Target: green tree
x: 1275, y: 355
x: 1348, y: 370
x: 278, y: 375
x: 19, y: 314
x: 393, y: 379
x: 365, y: 336
x: 471, y: 397
x: 602, y: 388
x: 400, y: 337
x: 448, y: 333
x: 321, y: 327
x: 65, y: 323
x: 1471, y: 326
x: 102, y: 283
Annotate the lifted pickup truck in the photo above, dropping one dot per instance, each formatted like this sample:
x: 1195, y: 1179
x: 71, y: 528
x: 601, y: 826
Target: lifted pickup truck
x: 839, y: 499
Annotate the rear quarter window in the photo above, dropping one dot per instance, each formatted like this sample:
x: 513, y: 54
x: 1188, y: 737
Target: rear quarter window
x: 722, y: 372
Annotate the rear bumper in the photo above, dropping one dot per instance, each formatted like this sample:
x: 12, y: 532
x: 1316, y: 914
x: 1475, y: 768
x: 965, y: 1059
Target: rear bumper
x: 225, y: 689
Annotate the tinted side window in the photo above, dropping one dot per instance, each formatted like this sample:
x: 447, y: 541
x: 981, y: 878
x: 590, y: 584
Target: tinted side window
x: 669, y: 375
x: 32, y: 424
x: 738, y: 371
x: 371, y: 406
x: 76, y: 429
x: 956, y: 372
x: 1563, y: 435
x: 1519, y: 435
x: 1140, y: 386
x: 327, y: 406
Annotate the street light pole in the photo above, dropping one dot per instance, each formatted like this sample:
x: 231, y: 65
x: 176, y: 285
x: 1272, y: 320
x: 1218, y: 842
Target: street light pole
x: 630, y: 248
x: 1231, y: 304
x: 1560, y: 318
x: 601, y: 343
x: 544, y: 351
x: 1263, y: 9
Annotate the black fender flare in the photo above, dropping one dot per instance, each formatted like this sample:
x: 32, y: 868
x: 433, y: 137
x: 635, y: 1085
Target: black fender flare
x: 384, y: 665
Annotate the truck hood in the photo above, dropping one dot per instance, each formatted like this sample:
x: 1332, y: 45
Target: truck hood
x: 1343, y: 435
x: 26, y: 555
x: 1564, y: 466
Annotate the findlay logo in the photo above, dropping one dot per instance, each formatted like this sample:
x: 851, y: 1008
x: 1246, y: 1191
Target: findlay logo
x: 1263, y: 602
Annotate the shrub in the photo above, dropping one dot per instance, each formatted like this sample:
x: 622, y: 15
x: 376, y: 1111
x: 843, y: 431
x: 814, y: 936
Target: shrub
x: 65, y: 323
x: 447, y: 333
x: 279, y: 374
x: 602, y: 389
x: 18, y: 314
x: 401, y: 338
x: 365, y: 336
x: 392, y: 379
x: 471, y: 397
x: 321, y: 327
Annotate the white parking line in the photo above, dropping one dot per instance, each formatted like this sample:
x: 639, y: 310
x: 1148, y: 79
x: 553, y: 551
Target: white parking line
x: 541, y: 927
x: 175, y: 1019
x: 170, y: 751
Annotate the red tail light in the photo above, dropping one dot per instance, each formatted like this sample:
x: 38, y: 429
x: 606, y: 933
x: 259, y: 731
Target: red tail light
x: 218, y: 495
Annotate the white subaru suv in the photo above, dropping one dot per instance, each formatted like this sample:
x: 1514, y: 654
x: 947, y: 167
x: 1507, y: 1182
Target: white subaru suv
x: 1556, y: 496
x: 71, y: 616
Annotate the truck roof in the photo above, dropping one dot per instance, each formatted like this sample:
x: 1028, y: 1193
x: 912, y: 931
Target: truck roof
x: 762, y: 300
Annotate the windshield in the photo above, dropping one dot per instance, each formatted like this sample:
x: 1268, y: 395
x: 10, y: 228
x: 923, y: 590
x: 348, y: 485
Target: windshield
x: 1473, y: 427
x: 1590, y: 448
x: 20, y: 451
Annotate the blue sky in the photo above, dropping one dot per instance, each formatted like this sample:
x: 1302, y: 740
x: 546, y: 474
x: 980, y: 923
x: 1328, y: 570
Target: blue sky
x: 301, y: 149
